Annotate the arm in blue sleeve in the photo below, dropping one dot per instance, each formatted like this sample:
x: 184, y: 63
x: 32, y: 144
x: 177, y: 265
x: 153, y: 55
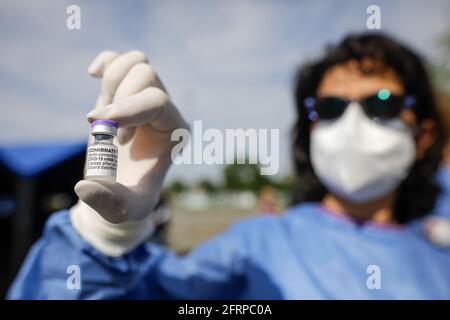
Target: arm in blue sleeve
x: 442, y: 205
x: 50, y: 271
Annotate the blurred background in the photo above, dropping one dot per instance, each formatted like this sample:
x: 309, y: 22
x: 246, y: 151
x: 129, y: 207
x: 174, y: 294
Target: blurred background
x: 230, y: 64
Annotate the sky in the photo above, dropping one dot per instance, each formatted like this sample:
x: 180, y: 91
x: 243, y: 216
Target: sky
x: 228, y: 63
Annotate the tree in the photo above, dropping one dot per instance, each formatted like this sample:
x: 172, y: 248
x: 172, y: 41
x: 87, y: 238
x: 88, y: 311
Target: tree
x: 441, y: 69
x: 177, y: 187
x: 208, y: 186
x: 244, y: 177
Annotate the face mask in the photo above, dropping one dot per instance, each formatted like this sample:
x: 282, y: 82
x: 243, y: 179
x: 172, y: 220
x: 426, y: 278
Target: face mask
x: 361, y: 159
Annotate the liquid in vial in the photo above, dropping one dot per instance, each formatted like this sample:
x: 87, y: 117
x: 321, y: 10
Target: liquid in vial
x: 101, y: 157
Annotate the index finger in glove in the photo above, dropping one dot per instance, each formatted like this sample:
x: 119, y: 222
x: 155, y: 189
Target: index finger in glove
x: 101, y: 62
x: 151, y: 105
x: 116, y: 72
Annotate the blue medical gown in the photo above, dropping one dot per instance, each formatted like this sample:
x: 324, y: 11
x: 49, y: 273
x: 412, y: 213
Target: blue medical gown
x: 305, y: 253
x: 442, y: 206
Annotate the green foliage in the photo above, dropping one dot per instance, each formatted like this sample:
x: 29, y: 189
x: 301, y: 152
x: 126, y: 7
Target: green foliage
x: 244, y: 177
x: 441, y: 68
x: 177, y: 187
x: 208, y: 186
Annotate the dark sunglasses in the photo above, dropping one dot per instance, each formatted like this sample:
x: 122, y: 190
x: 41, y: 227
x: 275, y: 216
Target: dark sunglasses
x: 382, y: 105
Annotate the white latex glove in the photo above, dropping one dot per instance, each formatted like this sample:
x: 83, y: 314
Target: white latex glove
x: 116, y: 217
x: 437, y: 229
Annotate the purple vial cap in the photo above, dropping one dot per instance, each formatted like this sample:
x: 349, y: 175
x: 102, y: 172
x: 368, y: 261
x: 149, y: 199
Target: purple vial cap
x: 111, y: 123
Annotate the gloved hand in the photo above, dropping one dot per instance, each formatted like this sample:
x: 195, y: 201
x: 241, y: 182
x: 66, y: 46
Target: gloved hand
x: 116, y: 217
x: 437, y: 229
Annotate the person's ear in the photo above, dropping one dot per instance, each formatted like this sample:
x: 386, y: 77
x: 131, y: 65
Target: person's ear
x: 425, y: 137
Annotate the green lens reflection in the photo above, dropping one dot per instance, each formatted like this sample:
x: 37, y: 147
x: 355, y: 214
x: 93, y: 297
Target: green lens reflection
x: 384, y: 94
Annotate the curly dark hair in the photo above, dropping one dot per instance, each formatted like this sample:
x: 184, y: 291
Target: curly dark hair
x: 419, y: 191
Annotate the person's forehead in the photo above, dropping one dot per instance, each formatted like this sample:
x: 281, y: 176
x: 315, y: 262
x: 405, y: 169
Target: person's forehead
x: 348, y: 80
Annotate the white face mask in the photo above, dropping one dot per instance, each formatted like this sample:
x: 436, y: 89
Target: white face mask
x: 360, y: 159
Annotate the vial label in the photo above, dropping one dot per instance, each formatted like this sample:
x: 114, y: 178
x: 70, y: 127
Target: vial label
x: 101, y: 161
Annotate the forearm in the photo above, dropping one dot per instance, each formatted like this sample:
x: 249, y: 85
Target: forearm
x: 63, y: 265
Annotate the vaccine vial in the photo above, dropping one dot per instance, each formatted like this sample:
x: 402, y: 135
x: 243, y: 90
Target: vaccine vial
x: 101, y: 157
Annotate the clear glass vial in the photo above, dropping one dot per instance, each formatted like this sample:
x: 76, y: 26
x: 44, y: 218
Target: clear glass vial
x: 101, y: 157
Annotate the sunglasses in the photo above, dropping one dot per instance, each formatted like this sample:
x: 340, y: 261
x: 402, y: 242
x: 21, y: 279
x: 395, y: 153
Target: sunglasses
x: 382, y: 105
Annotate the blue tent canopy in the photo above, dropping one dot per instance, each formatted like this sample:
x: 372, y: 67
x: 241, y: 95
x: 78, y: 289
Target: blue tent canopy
x: 28, y: 160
